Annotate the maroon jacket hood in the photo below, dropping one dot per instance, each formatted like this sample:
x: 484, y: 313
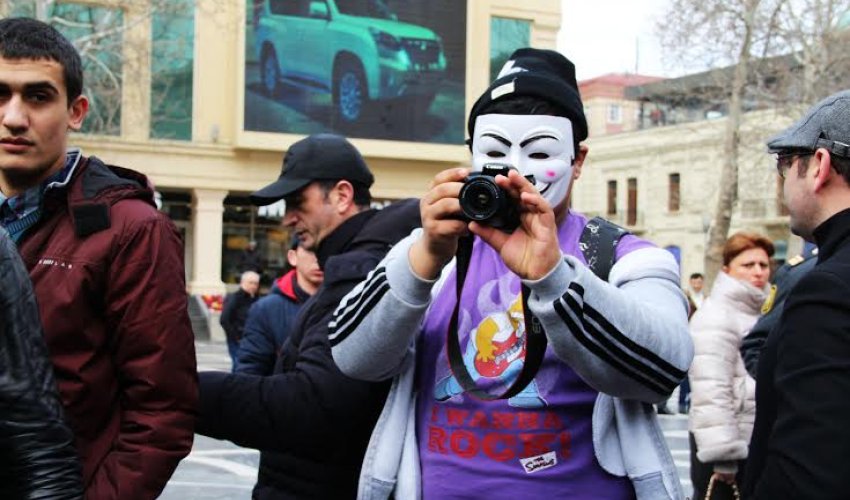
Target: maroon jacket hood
x: 94, y: 188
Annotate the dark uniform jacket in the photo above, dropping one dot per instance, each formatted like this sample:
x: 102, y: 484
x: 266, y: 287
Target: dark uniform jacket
x: 107, y: 269
x: 317, y: 419
x: 783, y: 282
x: 38, y: 455
x: 800, y: 441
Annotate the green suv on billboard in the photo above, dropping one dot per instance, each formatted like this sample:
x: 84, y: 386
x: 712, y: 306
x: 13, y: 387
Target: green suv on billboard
x: 357, y: 50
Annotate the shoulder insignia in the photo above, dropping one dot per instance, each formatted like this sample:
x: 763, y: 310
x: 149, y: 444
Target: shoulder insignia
x: 768, y: 302
x: 797, y: 259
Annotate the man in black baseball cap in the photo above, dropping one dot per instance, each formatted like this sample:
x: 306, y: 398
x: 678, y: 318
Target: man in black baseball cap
x: 317, y: 157
x: 324, y: 180
x: 311, y: 422
x: 800, y: 443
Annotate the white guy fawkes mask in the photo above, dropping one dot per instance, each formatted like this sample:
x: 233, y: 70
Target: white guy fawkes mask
x: 538, y: 145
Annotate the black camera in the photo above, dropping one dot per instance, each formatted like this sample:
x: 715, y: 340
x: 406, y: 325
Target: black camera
x: 482, y: 200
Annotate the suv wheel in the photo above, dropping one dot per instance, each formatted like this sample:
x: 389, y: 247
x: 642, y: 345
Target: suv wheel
x: 350, y: 91
x: 269, y: 72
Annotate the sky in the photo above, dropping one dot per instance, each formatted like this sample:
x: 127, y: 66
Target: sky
x: 609, y: 36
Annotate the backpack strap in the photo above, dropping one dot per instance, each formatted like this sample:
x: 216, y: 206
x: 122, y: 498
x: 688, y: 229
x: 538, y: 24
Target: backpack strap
x: 598, y: 244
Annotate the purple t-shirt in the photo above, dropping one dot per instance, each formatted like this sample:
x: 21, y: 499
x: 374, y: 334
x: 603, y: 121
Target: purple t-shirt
x: 539, y: 443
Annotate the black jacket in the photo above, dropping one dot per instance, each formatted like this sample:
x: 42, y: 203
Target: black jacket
x: 783, y: 282
x: 800, y: 439
x: 317, y: 420
x: 37, y: 447
x: 234, y: 313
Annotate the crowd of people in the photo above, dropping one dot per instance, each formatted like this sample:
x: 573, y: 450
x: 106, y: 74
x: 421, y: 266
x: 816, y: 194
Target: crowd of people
x: 426, y: 349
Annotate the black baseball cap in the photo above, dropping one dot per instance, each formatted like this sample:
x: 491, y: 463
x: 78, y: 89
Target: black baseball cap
x: 316, y: 157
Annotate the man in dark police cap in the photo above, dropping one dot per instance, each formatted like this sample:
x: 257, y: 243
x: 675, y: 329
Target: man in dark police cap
x: 311, y: 422
x: 800, y: 439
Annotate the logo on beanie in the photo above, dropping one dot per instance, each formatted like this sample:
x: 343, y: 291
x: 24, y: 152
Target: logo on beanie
x: 509, y: 69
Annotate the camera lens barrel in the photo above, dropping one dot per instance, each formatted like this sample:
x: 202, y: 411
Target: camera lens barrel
x: 481, y: 199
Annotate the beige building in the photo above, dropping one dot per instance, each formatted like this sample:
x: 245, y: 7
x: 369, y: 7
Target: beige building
x: 205, y: 174
x: 662, y: 183
x: 210, y: 137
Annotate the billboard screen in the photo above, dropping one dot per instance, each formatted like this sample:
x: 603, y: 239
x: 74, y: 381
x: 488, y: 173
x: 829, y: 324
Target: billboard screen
x: 375, y: 69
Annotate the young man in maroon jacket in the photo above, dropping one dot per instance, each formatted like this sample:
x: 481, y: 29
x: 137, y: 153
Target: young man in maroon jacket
x: 107, y: 270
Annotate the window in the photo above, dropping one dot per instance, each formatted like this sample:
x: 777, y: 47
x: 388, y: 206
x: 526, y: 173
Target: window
x: 631, y: 205
x: 506, y: 35
x: 615, y: 113
x: 673, y: 196
x: 97, y: 34
x: 283, y: 7
x: 612, y: 198
x: 243, y: 223
x: 375, y: 9
x: 172, y: 61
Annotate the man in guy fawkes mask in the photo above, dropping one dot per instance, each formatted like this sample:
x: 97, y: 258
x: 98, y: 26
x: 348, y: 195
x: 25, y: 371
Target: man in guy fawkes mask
x: 581, y: 425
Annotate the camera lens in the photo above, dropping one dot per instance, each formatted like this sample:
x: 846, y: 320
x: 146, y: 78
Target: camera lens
x: 479, y: 199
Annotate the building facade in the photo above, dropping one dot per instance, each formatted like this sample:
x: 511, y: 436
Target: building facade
x: 662, y: 183
x: 606, y: 107
x: 187, y: 93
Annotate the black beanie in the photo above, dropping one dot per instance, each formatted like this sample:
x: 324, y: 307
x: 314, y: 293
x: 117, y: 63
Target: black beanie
x: 539, y: 73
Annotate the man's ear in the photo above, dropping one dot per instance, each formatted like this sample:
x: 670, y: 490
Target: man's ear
x: 579, y: 160
x: 821, y: 162
x: 77, y: 112
x: 291, y: 257
x: 345, y: 196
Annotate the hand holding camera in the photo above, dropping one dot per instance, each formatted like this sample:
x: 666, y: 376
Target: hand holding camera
x: 508, y: 213
x: 441, y: 226
x: 531, y: 249
x: 483, y: 201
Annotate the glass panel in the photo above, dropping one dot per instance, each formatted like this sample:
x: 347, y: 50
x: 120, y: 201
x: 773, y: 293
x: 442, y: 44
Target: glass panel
x: 97, y: 34
x: 177, y: 204
x: 243, y: 223
x: 376, y: 69
x: 506, y: 35
x: 615, y: 113
x: 173, y: 27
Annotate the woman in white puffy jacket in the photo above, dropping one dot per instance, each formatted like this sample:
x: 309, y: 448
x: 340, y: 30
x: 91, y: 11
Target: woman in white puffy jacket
x: 722, y: 393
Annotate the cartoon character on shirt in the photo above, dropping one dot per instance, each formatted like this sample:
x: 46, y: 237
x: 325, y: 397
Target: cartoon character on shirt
x: 496, y: 350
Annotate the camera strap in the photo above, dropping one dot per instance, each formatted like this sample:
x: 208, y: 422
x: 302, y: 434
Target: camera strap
x: 535, y: 337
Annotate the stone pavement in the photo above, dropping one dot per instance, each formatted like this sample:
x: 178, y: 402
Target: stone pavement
x: 219, y: 470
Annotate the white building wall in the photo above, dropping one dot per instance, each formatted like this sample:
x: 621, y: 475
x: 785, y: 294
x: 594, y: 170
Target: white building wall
x: 694, y: 151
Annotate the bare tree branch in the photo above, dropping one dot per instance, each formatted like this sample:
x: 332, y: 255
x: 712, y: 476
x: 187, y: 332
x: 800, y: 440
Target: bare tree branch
x: 776, y: 54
